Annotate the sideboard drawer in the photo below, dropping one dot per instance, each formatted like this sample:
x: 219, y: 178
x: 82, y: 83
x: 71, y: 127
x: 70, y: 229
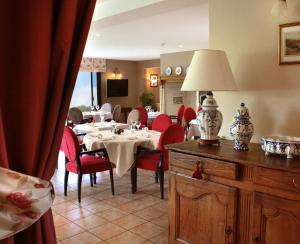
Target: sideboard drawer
x: 186, y: 164
x: 277, y: 179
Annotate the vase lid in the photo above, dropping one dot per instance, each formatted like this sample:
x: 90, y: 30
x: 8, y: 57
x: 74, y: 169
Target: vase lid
x: 243, y: 112
x: 209, y: 102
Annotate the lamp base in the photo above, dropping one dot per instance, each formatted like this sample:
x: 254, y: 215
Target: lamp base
x: 202, y: 142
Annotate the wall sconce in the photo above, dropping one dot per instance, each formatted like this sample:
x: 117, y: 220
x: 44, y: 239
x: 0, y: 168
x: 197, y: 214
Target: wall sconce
x: 116, y: 74
x: 286, y: 7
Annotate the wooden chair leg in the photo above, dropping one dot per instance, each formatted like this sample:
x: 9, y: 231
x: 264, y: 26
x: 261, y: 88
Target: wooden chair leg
x: 161, y: 181
x: 66, y: 182
x: 135, y: 179
x: 156, y: 177
x: 95, y: 178
x: 79, y: 180
x: 91, y: 179
x: 132, y: 179
x: 112, y: 185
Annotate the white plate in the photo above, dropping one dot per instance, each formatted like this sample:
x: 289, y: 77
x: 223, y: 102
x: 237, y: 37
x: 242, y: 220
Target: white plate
x: 187, y: 69
x: 168, y: 70
x: 178, y: 70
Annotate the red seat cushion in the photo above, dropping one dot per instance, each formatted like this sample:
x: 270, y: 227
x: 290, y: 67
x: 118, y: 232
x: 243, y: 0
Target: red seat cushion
x: 150, y: 161
x: 89, y: 164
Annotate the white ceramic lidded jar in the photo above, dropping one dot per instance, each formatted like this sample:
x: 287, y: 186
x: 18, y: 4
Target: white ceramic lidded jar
x: 242, y: 129
x: 209, y: 119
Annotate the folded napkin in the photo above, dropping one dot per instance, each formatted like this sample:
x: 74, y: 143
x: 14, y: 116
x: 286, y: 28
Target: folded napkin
x: 94, y: 135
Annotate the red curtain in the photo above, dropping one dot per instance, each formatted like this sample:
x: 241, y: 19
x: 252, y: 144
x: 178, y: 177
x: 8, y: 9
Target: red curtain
x: 41, y: 46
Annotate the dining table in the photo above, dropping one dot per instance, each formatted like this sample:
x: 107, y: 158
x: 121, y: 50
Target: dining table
x: 98, y: 116
x: 122, y: 148
x: 98, y: 126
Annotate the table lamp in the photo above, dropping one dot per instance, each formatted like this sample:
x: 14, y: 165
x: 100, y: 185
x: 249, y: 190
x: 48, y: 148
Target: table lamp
x: 209, y: 71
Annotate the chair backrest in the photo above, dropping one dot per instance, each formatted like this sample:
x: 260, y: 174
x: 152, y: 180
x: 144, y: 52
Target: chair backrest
x: 134, y: 115
x: 143, y: 115
x: 173, y: 134
x: 189, y: 114
x: 106, y: 107
x: 75, y: 115
x: 117, y: 113
x: 69, y: 144
x: 180, y: 114
x: 161, y: 122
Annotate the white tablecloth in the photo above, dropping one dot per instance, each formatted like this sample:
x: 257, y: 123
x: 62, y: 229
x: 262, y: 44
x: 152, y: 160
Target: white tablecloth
x: 121, y: 149
x: 194, y: 129
x: 152, y: 116
x: 97, y: 115
x: 95, y: 127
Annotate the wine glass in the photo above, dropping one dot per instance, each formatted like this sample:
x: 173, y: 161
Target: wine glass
x: 113, y: 128
x: 133, y: 124
x: 138, y: 124
x: 97, y: 107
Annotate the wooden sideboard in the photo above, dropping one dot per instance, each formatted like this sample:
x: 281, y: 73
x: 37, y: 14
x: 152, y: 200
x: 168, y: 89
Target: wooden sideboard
x: 244, y: 197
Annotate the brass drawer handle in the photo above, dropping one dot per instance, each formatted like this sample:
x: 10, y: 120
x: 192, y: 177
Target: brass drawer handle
x: 295, y: 184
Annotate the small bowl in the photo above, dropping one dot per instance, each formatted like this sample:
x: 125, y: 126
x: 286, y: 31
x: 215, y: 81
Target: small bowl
x: 282, y: 145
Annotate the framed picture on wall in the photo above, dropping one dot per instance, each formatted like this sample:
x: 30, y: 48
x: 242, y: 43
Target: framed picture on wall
x: 153, y: 80
x: 289, y: 43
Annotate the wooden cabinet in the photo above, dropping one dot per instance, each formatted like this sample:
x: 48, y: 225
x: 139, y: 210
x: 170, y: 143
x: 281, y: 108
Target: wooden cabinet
x: 244, y: 197
x: 275, y: 220
x: 209, y: 206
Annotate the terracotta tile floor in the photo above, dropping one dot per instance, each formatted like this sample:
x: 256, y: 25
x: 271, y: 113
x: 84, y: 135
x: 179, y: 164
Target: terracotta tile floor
x: 102, y: 218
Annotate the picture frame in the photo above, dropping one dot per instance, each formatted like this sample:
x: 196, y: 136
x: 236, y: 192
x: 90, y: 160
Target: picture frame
x: 289, y: 43
x: 154, y: 80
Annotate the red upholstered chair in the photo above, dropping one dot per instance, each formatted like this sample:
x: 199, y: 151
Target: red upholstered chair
x: 179, y: 116
x: 157, y: 160
x: 82, y: 162
x: 143, y: 115
x: 189, y: 114
x: 161, y: 122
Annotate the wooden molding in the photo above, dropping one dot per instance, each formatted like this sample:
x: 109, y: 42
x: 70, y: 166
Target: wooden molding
x: 174, y: 78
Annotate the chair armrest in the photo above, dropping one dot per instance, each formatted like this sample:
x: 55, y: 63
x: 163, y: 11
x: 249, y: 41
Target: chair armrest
x: 93, y: 151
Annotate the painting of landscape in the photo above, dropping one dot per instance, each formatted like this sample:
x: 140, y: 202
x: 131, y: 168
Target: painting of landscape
x: 292, y: 43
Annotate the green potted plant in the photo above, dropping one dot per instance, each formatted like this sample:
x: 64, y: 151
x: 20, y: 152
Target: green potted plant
x: 147, y: 99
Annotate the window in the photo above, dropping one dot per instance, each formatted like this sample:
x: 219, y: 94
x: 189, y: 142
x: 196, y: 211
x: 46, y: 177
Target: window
x: 85, y: 91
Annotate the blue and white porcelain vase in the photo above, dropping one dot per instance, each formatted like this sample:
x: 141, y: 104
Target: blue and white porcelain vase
x: 241, y: 129
x: 209, y: 119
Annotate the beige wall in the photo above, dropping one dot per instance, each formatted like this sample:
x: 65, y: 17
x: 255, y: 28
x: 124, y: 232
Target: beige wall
x: 144, y: 69
x: 129, y: 70
x: 249, y: 35
x: 175, y: 59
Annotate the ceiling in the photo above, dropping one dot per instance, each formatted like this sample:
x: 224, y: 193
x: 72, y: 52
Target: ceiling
x: 144, y: 29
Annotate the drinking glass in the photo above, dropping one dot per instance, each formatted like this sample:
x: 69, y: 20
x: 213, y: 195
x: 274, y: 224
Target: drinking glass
x: 138, y: 124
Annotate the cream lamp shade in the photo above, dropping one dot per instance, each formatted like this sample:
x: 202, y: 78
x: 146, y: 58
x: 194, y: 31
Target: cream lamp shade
x: 209, y: 71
